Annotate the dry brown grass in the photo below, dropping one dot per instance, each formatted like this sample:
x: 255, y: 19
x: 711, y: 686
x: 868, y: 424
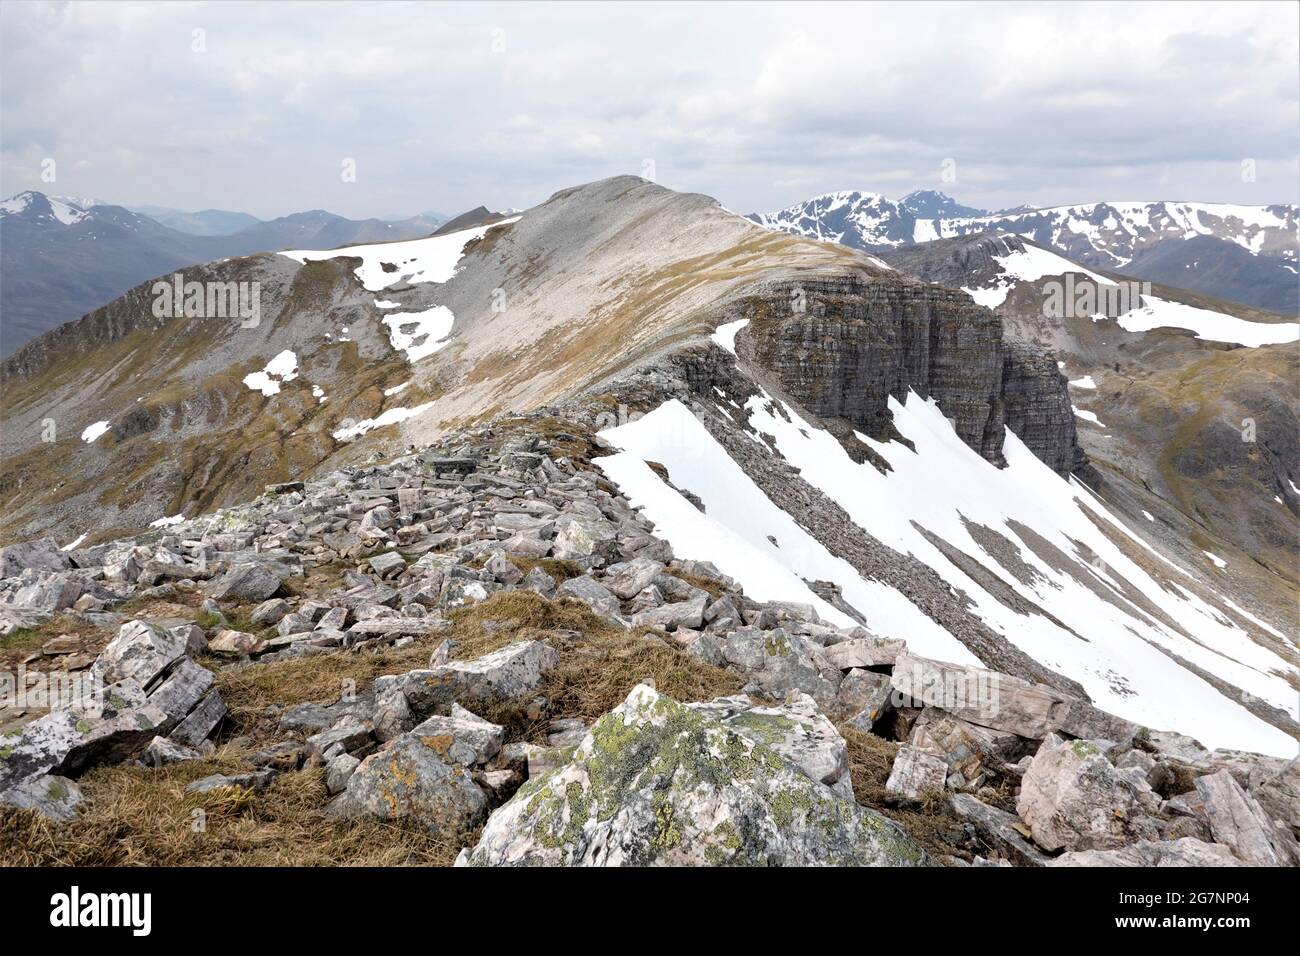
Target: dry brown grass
x: 137, y: 816
x: 17, y: 646
x: 141, y: 816
x: 695, y: 580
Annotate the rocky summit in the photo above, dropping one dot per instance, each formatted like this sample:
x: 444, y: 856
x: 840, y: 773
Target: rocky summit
x: 624, y: 531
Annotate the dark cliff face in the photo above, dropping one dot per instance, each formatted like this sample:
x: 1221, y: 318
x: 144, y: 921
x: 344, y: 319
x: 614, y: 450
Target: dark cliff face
x: 1036, y: 406
x: 841, y: 346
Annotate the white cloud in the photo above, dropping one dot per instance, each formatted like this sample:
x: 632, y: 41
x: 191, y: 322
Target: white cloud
x: 758, y: 104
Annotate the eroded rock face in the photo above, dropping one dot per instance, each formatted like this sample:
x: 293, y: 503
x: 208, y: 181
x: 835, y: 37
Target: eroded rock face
x: 841, y: 347
x: 659, y: 783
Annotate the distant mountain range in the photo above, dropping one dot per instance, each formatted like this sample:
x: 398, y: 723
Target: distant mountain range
x: 61, y: 257
x: 1244, y: 253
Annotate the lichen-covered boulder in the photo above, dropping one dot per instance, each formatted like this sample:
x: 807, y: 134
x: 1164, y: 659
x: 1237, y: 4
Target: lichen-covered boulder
x: 57, y: 798
x: 777, y: 663
x: 656, y: 782
x: 140, y: 652
x: 409, y: 780
x: 797, y: 731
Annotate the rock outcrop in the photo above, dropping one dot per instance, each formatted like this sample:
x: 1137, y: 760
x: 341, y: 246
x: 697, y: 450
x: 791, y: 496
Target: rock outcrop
x: 842, y: 347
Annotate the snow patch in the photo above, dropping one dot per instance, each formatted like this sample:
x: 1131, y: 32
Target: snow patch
x: 432, y: 259
x: 282, y: 368
x: 94, y: 431
x: 420, y: 334
x: 390, y: 417
x: 725, y: 334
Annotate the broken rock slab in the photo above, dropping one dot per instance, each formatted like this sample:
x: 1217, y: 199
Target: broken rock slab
x: 1238, y: 822
x: 999, y: 830
x: 509, y: 672
x: 461, y: 737
x: 916, y: 773
x: 996, y: 700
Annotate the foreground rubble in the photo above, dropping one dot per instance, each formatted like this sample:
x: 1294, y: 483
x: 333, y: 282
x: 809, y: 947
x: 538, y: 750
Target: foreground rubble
x: 467, y: 748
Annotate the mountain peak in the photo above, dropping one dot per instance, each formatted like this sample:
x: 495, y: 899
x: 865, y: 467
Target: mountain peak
x: 32, y: 205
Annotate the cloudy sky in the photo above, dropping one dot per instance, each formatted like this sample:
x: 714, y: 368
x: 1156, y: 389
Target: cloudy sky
x: 258, y: 107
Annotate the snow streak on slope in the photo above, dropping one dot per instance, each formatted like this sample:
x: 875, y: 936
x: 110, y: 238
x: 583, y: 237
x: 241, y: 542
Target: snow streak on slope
x: 1107, y: 643
x: 1215, y: 326
x: 416, y: 260
x: 734, y: 531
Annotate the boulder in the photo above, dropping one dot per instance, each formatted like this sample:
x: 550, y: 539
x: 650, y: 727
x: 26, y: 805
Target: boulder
x: 1072, y: 798
x: 865, y: 652
x: 1279, y: 795
x: 971, y: 752
x: 629, y: 577
x: 659, y: 783
x: 499, y: 567
x: 541, y: 582
x: 797, y: 731
x: 52, y: 796
x: 140, y: 652
x: 512, y: 671
x: 163, y: 752
x: 410, y: 781
x: 201, y: 721
x: 338, y: 772
x: 672, y: 616
x: 68, y: 741
x: 591, y: 593
x: 387, y: 565
x: 247, y: 582
x: 997, y: 829
x: 915, y: 773
x: 578, y: 535
x: 865, y: 695
x: 348, y: 732
x: 42, y: 555
x: 236, y: 642
x: 462, y: 737
x: 778, y: 663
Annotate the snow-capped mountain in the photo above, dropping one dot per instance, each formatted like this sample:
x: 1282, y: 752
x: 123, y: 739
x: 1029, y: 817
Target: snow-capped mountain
x: 61, y: 258
x: 1244, y: 253
x: 867, y: 221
